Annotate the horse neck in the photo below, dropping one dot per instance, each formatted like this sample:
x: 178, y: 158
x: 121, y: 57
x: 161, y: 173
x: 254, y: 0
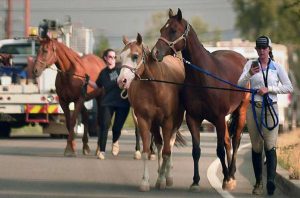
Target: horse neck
x: 67, y: 59
x: 195, y: 53
x: 151, y: 70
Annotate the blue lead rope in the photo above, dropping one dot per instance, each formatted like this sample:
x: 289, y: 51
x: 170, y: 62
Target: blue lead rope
x: 267, y: 101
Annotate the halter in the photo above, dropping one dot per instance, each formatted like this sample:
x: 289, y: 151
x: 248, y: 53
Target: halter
x: 44, y: 61
x: 172, y: 44
x: 134, y: 70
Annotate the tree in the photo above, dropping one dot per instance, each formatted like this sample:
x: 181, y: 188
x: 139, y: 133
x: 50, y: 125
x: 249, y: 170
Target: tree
x: 103, y: 44
x: 279, y: 19
x: 201, y: 28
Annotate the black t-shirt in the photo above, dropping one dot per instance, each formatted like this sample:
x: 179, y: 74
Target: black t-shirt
x: 108, y: 79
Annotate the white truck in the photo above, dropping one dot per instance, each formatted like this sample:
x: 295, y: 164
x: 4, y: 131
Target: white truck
x: 247, y: 49
x: 24, y: 101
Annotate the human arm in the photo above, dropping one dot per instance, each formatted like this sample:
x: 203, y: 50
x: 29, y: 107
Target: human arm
x: 93, y: 84
x: 285, y: 85
x: 246, y: 75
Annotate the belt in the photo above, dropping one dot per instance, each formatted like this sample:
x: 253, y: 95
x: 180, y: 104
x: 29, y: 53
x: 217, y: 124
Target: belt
x: 258, y: 104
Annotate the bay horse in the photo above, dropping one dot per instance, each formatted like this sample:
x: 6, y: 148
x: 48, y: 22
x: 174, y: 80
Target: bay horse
x: 70, y: 83
x: 210, y: 104
x: 155, y: 104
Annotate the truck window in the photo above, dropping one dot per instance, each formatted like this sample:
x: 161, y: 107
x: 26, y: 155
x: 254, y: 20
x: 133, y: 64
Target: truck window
x: 18, y: 49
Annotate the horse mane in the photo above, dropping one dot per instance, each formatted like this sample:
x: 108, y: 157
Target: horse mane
x: 71, y: 55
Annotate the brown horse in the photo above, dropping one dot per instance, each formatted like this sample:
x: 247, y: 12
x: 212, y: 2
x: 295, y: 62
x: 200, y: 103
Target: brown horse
x: 210, y: 104
x: 155, y: 104
x: 70, y: 83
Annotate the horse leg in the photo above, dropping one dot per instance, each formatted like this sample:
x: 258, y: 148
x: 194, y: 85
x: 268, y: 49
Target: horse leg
x: 236, y: 139
x: 71, y: 137
x: 231, y: 184
x: 166, y: 155
x: 221, y: 132
x: 145, y: 132
x: 137, y: 154
x: 70, y: 147
x: 169, y: 167
x: 99, y: 100
x: 85, y: 147
x: 152, y: 148
x: 194, y: 126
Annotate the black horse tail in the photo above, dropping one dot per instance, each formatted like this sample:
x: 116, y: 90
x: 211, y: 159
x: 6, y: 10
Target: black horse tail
x: 180, y: 140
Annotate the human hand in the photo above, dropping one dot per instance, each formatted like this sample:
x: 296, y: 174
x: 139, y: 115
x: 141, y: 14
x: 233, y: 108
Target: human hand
x: 262, y: 91
x: 254, y: 68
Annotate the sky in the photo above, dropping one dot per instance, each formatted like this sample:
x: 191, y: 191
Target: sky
x: 114, y: 18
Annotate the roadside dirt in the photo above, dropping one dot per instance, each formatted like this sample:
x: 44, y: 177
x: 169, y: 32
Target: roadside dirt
x: 288, y: 151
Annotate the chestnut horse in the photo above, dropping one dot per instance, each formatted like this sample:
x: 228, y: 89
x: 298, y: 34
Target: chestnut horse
x: 155, y: 104
x: 71, y: 85
x: 210, y: 104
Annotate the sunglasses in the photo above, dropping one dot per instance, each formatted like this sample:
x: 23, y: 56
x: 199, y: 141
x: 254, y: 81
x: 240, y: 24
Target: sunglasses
x: 113, y: 57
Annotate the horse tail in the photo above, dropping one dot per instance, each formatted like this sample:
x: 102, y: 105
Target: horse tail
x: 180, y: 140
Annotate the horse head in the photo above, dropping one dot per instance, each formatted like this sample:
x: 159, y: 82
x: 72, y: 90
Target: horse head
x: 132, y: 59
x: 173, y: 36
x: 46, y: 56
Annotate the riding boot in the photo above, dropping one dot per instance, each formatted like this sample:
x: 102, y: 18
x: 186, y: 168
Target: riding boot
x: 257, y: 167
x: 271, y: 170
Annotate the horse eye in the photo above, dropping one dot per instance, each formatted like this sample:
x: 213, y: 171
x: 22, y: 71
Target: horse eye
x: 45, y: 50
x: 134, y: 57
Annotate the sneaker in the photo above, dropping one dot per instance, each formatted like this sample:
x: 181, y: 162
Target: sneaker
x: 101, y: 155
x: 115, y: 148
x: 258, y: 189
x: 97, y: 151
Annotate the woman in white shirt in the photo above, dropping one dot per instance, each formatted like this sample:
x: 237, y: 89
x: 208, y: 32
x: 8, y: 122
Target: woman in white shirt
x: 269, y: 79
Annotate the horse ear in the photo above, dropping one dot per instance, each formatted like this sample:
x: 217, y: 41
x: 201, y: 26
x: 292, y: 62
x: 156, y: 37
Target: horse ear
x: 139, y: 39
x: 125, y: 40
x: 171, y: 13
x: 179, y: 15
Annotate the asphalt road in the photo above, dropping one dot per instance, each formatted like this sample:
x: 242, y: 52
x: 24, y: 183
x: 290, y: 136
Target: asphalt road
x: 35, y: 167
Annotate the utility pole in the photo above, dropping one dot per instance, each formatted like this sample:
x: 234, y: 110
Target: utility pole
x: 8, y: 23
x: 26, y: 17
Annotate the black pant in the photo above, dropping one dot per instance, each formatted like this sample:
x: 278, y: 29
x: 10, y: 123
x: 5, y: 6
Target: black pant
x: 106, y: 115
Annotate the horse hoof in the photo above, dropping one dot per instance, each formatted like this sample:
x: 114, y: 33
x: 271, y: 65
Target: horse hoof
x: 86, y: 150
x: 144, y: 187
x: 160, y: 184
x: 169, y: 181
x: 152, y: 157
x: 229, y: 185
x: 69, y: 153
x: 137, y: 155
x: 194, y: 188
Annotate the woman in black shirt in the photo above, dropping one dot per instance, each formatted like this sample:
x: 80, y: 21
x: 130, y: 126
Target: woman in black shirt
x: 112, y: 104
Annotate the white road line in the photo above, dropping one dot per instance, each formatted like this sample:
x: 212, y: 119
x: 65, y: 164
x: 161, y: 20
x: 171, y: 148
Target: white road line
x: 214, y: 180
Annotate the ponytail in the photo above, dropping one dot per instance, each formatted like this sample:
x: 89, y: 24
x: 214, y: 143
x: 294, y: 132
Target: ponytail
x: 271, y: 54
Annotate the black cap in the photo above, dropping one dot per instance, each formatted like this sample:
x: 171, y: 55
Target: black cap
x: 263, y: 41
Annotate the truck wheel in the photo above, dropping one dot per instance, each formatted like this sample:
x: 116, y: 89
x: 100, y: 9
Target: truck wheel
x: 5, y: 129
